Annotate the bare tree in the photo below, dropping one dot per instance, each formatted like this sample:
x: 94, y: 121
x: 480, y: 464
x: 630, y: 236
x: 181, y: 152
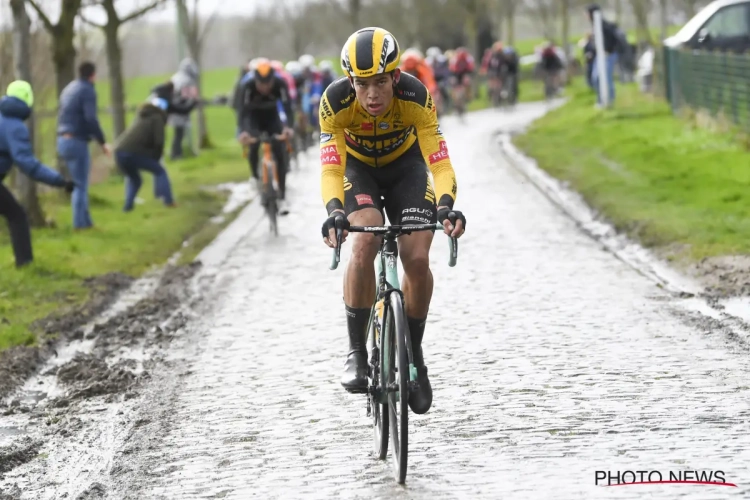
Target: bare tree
x: 690, y: 7
x: 62, y: 36
x: 663, y: 18
x: 111, y: 31
x: 195, y: 36
x: 546, y: 12
x: 640, y: 12
x: 22, y: 61
x: 510, y: 20
x: 355, y: 9
x: 565, y: 7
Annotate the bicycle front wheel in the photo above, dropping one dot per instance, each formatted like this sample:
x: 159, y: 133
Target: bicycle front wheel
x: 398, y: 397
x: 379, y: 410
x: 271, y: 203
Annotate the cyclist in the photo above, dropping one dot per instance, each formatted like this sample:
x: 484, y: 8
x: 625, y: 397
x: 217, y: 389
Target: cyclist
x: 261, y: 94
x: 379, y: 133
x: 295, y: 69
x: 312, y: 89
x: 413, y: 63
x: 441, y: 69
x: 327, y: 76
x: 462, y: 67
x: 278, y: 68
x: 551, y: 65
x: 501, y: 66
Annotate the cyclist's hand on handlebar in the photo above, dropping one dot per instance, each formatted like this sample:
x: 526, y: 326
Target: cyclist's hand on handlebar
x: 453, y: 221
x: 329, y: 228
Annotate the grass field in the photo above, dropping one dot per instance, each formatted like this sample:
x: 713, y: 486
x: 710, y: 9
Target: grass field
x: 664, y: 181
x: 129, y: 243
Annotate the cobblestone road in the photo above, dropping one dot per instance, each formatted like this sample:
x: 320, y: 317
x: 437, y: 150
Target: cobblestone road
x: 550, y: 359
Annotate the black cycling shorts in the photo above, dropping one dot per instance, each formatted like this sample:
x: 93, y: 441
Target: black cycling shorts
x: 402, y: 188
x: 267, y: 121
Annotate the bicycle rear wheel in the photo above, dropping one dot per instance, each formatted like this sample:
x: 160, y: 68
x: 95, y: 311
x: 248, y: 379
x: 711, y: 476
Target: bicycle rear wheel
x: 270, y: 202
x: 398, y: 401
x: 379, y: 410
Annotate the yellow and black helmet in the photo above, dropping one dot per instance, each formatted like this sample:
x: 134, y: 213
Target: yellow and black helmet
x: 370, y: 51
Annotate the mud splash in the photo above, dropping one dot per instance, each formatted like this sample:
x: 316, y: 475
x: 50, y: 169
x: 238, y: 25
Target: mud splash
x: 17, y: 454
x: 19, y: 363
x: 99, y: 385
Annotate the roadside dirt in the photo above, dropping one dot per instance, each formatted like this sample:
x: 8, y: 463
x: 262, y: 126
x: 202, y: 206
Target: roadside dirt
x: 723, y: 276
x: 19, y: 363
x: 110, y: 372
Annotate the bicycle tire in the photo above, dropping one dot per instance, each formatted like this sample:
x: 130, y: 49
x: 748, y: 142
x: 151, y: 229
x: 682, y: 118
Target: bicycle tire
x: 399, y: 421
x: 271, y: 206
x: 379, y: 410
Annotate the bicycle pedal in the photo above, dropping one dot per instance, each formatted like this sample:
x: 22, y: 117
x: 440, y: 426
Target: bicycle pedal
x: 357, y: 390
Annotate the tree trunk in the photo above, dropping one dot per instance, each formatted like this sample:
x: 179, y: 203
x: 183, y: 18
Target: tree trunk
x: 510, y: 19
x: 204, y: 142
x: 618, y: 12
x: 663, y: 18
x: 640, y: 11
x: 64, y: 57
x: 565, y: 29
x: 117, y: 87
x: 22, y: 60
x: 354, y: 9
x: 63, y: 48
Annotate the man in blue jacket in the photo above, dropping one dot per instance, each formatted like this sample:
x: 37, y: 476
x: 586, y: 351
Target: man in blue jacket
x: 77, y: 124
x: 15, y: 147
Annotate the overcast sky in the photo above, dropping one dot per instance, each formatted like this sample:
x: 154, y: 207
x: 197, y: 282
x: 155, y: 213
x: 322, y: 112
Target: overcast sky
x: 206, y: 8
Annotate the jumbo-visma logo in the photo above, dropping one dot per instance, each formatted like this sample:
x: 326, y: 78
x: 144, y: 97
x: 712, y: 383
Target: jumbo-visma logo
x: 654, y: 477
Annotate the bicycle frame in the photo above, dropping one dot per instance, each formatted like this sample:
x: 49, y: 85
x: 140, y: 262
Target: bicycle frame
x: 386, y: 270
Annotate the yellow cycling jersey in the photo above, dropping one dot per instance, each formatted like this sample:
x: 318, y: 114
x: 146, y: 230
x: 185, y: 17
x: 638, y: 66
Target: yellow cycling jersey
x: 346, y: 128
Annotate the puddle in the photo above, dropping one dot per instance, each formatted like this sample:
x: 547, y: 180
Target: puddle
x: 239, y: 194
x: 738, y: 306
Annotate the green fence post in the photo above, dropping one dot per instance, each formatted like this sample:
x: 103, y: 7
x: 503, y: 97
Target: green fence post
x: 667, y: 75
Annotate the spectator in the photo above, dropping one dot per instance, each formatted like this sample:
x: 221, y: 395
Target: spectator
x: 141, y: 148
x: 589, y: 51
x: 15, y: 147
x: 185, y: 97
x: 77, y: 124
x: 611, y: 39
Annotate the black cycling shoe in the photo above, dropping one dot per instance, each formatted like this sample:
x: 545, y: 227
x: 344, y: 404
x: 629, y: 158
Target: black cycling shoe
x: 421, y: 399
x: 354, y: 378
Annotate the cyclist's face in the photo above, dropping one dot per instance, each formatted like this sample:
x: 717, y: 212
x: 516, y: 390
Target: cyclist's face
x: 374, y: 93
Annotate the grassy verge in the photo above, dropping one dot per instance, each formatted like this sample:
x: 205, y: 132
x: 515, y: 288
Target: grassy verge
x: 528, y: 91
x: 666, y: 182
x: 129, y: 243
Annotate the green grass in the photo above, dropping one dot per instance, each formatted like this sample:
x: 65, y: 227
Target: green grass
x: 129, y: 243
x: 672, y: 185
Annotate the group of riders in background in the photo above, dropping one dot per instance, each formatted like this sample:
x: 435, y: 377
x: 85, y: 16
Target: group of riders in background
x: 269, y: 90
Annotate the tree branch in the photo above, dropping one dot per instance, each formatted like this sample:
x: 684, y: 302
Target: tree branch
x: 138, y: 13
x: 42, y: 16
x: 209, y: 22
x: 90, y: 22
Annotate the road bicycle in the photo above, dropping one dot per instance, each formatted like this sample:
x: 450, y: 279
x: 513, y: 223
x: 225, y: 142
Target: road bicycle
x: 391, y: 372
x: 269, y: 177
